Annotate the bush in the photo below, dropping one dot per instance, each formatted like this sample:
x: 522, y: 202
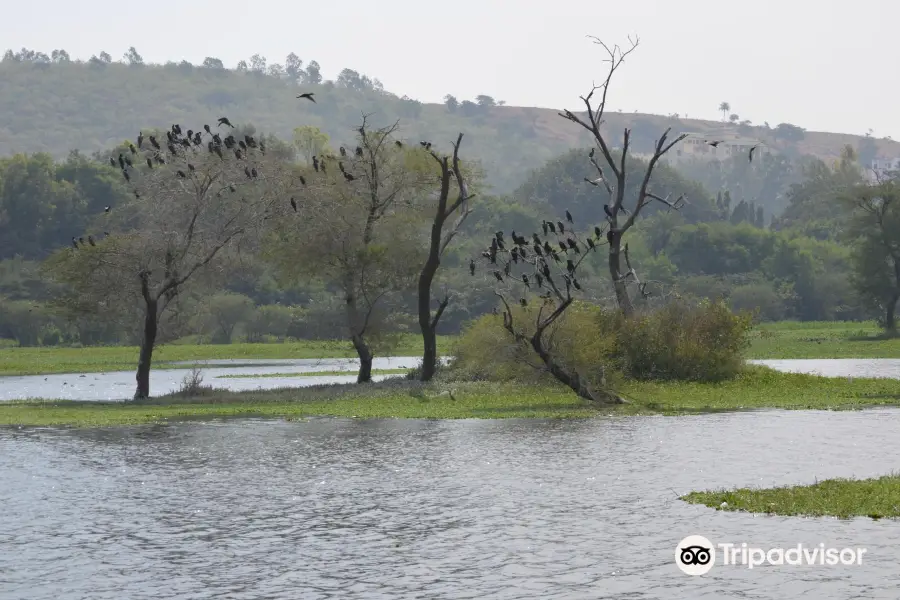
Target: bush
x: 702, y: 342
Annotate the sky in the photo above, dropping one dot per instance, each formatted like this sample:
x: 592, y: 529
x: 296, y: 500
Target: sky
x: 824, y: 66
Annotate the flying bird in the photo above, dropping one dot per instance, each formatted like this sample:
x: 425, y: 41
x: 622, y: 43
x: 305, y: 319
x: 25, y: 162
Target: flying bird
x: 569, y: 217
x: 751, y: 151
x: 715, y: 144
x: 225, y: 121
x: 308, y: 96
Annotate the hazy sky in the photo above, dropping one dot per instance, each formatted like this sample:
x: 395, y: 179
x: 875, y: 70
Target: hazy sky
x: 824, y: 65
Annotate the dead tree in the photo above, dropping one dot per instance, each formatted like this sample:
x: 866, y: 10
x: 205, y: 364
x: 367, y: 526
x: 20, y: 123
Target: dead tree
x: 438, y: 242
x: 545, y: 268
x: 195, y: 197
x: 615, y: 165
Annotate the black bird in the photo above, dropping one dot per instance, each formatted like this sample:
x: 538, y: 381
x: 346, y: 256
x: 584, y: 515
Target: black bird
x: 237, y: 154
x: 349, y: 176
x: 563, y: 247
x: 316, y: 164
x: 127, y: 176
x: 176, y: 128
x: 544, y: 227
x: 536, y: 239
x: 597, y: 232
x: 247, y: 172
x: 191, y: 167
x: 154, y: 143
x: 171, y: 147
x: 525, y: 280
x: 294, y: 204
x: 128, y: 162
x: 573, y: 245
x: 225, y: 121
x: 190, y: 133
x: 472, y: 266
x: 81, y: 240
x: 751, y: 152
x: 253, y: 172
x: 551, y: 226
x: 308, y: 96
x: 569, y: 217
x: 242, y: 145
x: 561, y: 227
x: 132, y: 148
x: 106, y: 209
x: 343, y: 151
x: 570, y: 266
x: 180, y: 173
x: 715, y: 144
x: 149, y: 162
x: 303, y: 180
x: 591, y: 245
x: 399, y: 143
x: 607, y: 211
x: 538, y: 250
x: 498, y: 275
x: 91, y: 241
x: 121, y: 160
x: 140, y: 139
x: 359, y: 151
x: 208, y: 130
x: 75, y: 242
x: 169, y: 136
x: 576, y: 284
x: 231, y: 188
x: 547, y: 248
x: 591, y: 153
x: 545, y: 269
x: 523, y: 302
x: 499, y: 236
x: 112, y: 161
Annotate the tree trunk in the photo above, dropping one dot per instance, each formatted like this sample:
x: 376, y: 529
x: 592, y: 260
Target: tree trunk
x: 426, y: 323
x: 890, y: 316
x: 620, y: 285
x: 365, y: 359
x: 573, y: 380
x: 148, y: 341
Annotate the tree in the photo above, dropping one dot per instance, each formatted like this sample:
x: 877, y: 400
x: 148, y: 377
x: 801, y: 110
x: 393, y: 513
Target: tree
x: 352, y: 232
x: 293, y: 66
x: 105, y: 57
x: 617, y: 165
x: 875, y: 225
x: 132, y: 58
x: 258, y: 63
x: 451, y: 102
x: 224, y: 312
x: 194, y: 202
x: 310, y: 141
x: 789, y: 132
x: 733, y: 118
x: 485, y: 101
x: 725, y: 108
x: 438, y: 242
x: 60, y: 56
x: 313, y: 73
x: 213, y: 63
x: 241, y: 67
x: 548, y: 280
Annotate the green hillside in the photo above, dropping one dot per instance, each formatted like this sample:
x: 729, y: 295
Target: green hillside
x: 58, y: 106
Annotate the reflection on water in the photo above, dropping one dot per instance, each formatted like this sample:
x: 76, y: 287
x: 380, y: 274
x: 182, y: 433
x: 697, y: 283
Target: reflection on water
x: 335, y: 508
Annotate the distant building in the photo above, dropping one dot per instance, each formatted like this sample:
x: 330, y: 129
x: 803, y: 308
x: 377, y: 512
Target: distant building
x: 883, y: 167
x: 696, y: 145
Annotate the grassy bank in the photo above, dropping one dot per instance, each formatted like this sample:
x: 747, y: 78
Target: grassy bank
x: 792, y: 339
x: 94, y: 359
x: 876, y: 498
x: 757, y: 388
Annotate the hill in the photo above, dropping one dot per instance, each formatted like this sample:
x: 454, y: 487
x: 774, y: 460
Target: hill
x: 55, y: 107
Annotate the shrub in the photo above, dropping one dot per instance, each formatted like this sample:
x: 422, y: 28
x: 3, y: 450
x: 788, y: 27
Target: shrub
x: 701, y: 342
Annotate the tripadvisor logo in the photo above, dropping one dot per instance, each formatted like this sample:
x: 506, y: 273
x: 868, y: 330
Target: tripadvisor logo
x: 696, y: 555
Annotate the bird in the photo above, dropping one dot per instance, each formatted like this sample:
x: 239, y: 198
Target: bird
x: 294, y: 204
x: 570, y: 266
x: 91, y: 241
x: 303, y: 180
x: 121, y: 160
x: 359, y: 151
x: 191, y: 167
x: 149, y: 162
x: 74, y: 242
x: 597, y: 232
x: 154, y: 143
x: 751, y: 152
x: 591, y: 245
x: 308, y: 96
x: 127, y: 176
x: 81, y: 241
x: 591, y: 153
x: 112, y: 161
x: 472, y: 266
x: 523, y: 302
x: 140, y: 139
x: 498, y: 275
x: 180, y: 173
x: 253, y: 172
x: 343, y: 151
x: 106, y: 209
x: 315, y: 164
x: 132, y: 148
x: 225, y: 121
x: 525, y: 280
x: 561, y: 227
x: 714, y: 144
x: 544, y: 227
x: 569, y: 217
x: 206, y: 127
x: 607, y: 211
x: 399, y: 143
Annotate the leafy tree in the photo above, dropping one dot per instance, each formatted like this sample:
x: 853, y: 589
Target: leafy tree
x: 132, y: 58
x: 191, y: 207
x: 258, y: 63
x: 213, y: 63
x: 293, y: 67
x: 485, y: 101
x: 309, y: 142
x: 451, y: 102
x: 725, y: 108
x: 313, y: 73
x: 733, y: 118
x: 789, y: 132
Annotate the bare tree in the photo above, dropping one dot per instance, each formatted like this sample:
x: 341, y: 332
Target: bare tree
x: 196, y: 196
x: 352, y: 231
x: 438, y: 242
x: 547, y: 270
x: 615, y: 162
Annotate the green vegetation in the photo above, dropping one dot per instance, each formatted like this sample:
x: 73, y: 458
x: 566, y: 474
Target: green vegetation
x: 875, y: 498
x: 315, y: 374
x: 756, y: 388
x: 820, y: 339
x: 95, y: 359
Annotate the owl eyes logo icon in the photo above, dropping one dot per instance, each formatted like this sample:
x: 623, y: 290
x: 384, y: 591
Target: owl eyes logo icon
x: 695, y: 555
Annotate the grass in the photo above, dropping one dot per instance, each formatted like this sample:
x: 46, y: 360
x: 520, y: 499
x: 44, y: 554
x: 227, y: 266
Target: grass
x: 875, y: 498
x: 315, y: 374
x: 817, y: 339
x: 783, y: 340
x: 757, y: 388
x: 94, y: 359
